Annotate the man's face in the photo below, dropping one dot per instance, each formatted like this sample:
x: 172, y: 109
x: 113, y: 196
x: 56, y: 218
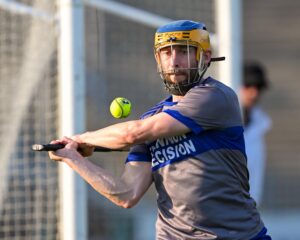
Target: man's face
x: 176, y: 62
x: 249, y: 96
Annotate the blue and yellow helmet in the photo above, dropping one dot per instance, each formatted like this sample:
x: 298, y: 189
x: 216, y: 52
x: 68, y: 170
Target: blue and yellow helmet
x: 180, y: 32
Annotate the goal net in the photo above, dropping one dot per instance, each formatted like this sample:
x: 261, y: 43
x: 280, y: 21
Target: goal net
x: 28, y: 75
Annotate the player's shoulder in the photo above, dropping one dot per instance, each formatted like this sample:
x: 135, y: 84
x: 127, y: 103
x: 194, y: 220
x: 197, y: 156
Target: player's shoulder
x: 213, y: 92
x: 212, y: 87
x: 213, y: 84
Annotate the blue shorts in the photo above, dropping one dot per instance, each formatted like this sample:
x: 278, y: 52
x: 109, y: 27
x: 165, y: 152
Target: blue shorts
x: 262, y: 235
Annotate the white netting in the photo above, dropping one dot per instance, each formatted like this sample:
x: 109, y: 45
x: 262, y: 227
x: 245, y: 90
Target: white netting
x: 28, y: 180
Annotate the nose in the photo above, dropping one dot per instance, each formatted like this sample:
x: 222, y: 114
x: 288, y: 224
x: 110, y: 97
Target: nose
x: 175, y: 60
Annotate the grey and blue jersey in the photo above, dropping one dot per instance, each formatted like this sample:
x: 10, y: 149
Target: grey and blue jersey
x: 201, y: 177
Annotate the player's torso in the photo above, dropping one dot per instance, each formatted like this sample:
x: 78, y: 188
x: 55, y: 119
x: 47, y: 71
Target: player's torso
x: 202, y: 185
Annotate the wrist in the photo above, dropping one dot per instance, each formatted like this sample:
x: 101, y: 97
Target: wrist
x: 73, y: 159
x: 84, y: 137
x: 79, y: 138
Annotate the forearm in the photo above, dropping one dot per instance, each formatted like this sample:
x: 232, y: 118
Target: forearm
x: 124, y: 191
x: 130, y: 133
x: 118, y: 136
x: 102, y: 181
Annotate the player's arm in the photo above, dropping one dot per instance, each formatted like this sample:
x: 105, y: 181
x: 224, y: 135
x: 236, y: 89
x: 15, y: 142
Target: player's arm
x: 129, y: 133
x: 125, y: 191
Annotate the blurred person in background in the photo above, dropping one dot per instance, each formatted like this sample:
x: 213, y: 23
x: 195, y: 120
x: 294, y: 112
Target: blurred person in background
x: 190, y: 145
x: 257, y: 123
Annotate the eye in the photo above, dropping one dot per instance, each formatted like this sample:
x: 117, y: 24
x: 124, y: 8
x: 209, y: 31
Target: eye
x: 165, y: 52
x: 184, y: 50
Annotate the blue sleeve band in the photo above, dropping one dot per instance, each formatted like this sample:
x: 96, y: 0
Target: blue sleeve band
x: 138, y: 157
x: 191, y: 124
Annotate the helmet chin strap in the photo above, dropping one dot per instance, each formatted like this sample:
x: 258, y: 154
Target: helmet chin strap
x: 216, y: 59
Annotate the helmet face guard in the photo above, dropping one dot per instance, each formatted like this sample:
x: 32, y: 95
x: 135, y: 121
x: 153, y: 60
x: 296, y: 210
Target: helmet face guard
x: 186, y: 34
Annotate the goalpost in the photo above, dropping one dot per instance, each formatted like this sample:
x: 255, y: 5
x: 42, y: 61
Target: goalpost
x: 229, y: 29
x: 42, y: 77
x: 73, y: 216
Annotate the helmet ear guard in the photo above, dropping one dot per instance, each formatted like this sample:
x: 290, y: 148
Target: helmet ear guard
x: 158, y: 64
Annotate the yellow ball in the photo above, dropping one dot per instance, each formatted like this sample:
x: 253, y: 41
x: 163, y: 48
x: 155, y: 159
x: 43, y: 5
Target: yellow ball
x: 120, y: 107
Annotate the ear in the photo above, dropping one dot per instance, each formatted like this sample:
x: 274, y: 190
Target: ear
x: 156, y: 55
x: 207, y: 56
x: 157, y: 58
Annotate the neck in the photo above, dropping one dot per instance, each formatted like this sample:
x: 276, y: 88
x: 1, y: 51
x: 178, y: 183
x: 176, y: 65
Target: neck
x: 176, y: 98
